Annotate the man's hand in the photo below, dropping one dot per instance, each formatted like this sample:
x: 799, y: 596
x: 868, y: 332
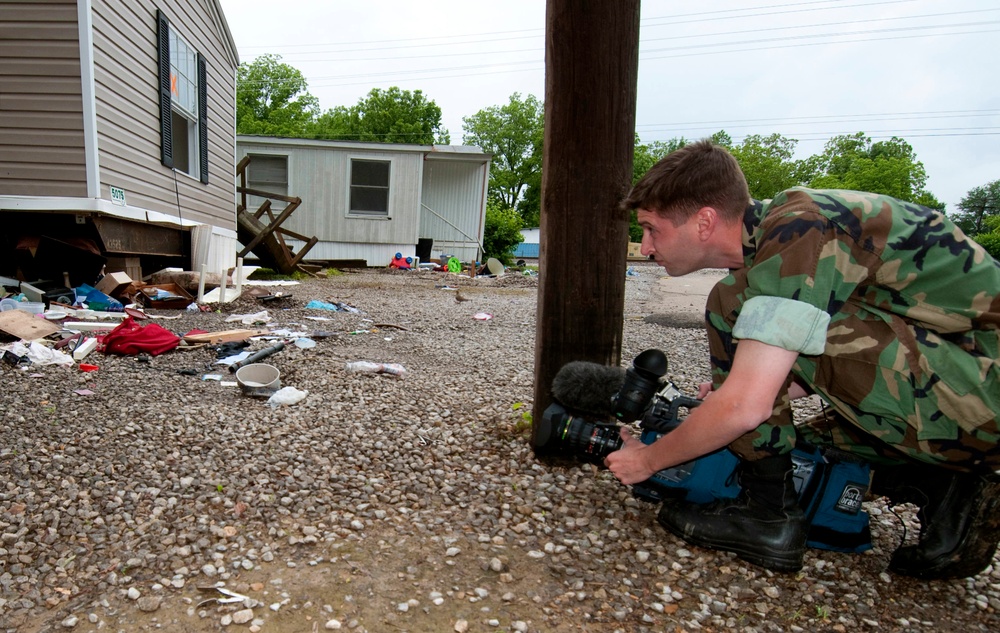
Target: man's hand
x: 630, y: 464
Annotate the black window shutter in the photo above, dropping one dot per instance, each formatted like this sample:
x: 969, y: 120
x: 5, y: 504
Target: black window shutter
x: 163, y: 50
x: 203, y: 118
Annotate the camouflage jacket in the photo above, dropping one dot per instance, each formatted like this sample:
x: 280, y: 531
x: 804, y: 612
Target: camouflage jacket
x: 907, y: 306
x: 830, y: 248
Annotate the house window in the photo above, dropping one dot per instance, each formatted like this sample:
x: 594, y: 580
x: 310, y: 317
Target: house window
x: 183, y: 103
x: 369, y: 187
x: 268, y: 174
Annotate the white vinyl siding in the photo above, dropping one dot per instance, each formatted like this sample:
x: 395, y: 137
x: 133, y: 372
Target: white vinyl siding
x: 41, y: 126
x: 128, y: 109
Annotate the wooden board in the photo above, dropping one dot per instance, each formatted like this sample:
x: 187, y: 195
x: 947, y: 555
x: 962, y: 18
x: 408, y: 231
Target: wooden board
x: 226, y: 336
x: 25, y: 326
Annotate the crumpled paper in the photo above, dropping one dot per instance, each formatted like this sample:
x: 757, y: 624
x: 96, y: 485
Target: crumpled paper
x: 250, y: 319
x: 286, y: 395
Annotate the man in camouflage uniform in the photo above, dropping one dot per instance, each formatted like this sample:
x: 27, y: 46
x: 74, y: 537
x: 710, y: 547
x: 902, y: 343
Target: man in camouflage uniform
x: 881, y: 307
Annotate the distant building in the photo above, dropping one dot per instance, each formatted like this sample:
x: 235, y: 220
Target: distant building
x: 370, y: 201
x: 529, y: 247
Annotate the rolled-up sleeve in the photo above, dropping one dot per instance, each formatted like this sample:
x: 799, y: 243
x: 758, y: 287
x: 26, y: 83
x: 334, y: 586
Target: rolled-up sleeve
x: 786, y: 323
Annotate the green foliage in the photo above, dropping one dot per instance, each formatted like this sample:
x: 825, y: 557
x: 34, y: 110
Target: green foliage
x: 722, y: 138
x: 768, y: 165
x: 977, y: 207
x: 385, y: 116
x: 645, y: 156
x: 272, y: 99
x: 513, y: 134
x: 852, y: 161
x: 502, y: 232
x: 991, y: 242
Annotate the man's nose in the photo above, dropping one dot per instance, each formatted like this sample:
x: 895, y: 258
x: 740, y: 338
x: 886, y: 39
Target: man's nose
x: 646, y: 247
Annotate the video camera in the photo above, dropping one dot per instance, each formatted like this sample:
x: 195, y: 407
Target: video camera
x: 830, y: 485
x: 565, y: 430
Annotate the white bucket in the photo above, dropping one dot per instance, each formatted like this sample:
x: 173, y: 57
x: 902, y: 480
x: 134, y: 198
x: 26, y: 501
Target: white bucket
x: 258, y: 379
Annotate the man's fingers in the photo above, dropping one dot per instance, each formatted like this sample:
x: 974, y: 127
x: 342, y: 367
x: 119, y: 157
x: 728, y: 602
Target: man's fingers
x: 627, y: 437
x: 704, y: 389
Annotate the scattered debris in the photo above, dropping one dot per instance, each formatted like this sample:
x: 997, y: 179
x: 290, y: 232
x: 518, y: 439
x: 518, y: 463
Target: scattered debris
x: 287, y: 395
x: 369, y: 367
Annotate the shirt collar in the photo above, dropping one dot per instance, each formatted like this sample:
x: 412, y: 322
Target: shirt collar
x: 752, y: 218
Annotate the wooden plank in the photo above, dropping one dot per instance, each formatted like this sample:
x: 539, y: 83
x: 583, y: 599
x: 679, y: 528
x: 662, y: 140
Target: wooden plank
x: 226, y: 336
x: 268, y: 194
x: 26, y: 326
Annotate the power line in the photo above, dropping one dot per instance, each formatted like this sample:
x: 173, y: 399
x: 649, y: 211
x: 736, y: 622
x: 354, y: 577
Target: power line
x: 823, y: 119
x: 701, y: 16
x: 700, y: 36
x: 538, y: 65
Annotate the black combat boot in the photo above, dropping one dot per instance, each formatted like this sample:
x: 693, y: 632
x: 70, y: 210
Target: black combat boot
x: 763, y: 524
x: 959, y: 520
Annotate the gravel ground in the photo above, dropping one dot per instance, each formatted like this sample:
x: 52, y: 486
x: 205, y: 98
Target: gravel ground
x: 384, y: 503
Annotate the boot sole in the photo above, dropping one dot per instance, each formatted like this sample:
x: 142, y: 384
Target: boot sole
x: 782, y: 562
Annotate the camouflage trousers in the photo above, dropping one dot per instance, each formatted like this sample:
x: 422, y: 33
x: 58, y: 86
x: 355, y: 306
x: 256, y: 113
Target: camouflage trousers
x: 893, y: 391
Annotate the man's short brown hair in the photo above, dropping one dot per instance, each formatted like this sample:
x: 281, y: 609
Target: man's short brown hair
x: 700, y: 174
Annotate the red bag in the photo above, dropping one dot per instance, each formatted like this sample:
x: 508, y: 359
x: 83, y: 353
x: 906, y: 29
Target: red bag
x: 130, y: 338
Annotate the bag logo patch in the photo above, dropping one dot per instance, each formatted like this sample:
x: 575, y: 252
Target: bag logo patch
x: 851, y: 498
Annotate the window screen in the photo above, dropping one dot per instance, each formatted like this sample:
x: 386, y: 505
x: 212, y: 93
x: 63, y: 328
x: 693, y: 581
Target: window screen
x: 369, y: 187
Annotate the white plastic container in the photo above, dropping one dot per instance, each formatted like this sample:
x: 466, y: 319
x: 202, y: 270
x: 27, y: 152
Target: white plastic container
x: 31, y: 306
x: 258, y: 379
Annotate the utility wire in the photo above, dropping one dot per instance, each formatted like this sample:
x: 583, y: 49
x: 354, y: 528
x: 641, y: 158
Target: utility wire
x: 699, y: 36
x: 701, y: 16
x: 753, y: 46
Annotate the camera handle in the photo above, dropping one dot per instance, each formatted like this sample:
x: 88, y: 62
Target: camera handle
x: 664, y: 414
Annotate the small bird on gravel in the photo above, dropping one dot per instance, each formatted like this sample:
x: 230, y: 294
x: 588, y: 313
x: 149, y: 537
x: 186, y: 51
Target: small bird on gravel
x: 459, y: 297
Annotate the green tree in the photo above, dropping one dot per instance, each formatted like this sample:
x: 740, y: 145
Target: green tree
x: 722, y: 138
x: 530, y: 204
x: 272, y: 99
x: 332, y: 124
x: 647, y: 155
x: 767, y: 163
x: 386, y: 116
x: 852, y: 161
x: 512, y: 133
x: 501, y: 232
x: 977, y: 207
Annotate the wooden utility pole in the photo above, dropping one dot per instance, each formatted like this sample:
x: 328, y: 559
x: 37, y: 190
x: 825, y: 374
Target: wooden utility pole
x: 591, y: 65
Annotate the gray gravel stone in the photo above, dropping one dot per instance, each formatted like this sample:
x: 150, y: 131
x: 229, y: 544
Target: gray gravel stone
x: 420, y: 485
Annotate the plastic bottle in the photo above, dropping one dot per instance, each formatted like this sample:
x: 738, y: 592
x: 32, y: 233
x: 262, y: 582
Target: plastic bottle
x: 375, y: 368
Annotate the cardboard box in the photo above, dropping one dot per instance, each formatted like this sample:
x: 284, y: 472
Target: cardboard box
x: 634, y: 250
x: 113, y: 284
x: 163, y: 297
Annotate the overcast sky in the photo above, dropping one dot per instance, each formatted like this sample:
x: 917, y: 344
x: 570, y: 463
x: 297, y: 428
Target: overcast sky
x: 923, y: 70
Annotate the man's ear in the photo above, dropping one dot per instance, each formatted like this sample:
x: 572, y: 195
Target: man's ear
x: 707, y: 219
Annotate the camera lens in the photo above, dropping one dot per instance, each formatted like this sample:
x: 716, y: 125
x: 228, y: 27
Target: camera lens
x: 592, y: 441
x: 559, y: 434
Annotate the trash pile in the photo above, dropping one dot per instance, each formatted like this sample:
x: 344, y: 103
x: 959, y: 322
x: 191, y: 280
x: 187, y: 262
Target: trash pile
x: 448, y: 264
x: 71, y: 327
